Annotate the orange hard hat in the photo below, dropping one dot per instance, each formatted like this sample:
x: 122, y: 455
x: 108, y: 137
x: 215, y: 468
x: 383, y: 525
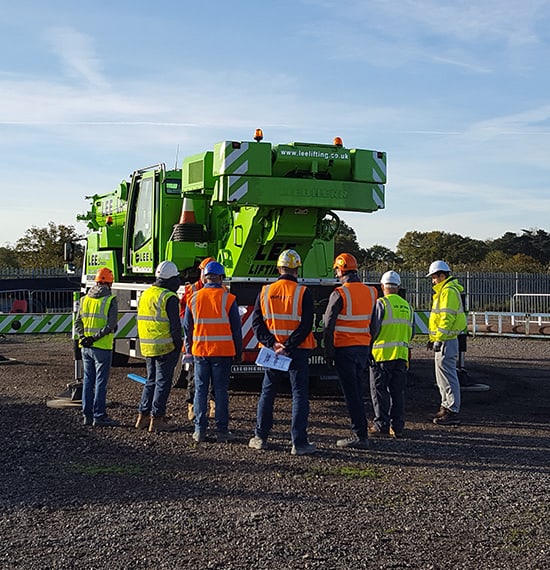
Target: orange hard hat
x: 205, y: 262
x: 104, y: 275
x: 345, y: 261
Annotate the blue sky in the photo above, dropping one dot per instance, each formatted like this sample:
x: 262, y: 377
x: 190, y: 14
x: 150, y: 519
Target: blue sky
x: 457, y: 93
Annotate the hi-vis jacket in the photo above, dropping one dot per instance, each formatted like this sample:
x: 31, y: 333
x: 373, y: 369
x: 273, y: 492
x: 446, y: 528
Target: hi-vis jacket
x: 189, y: 289
x: 352, y: 327
x: 391, y: 342
x: 281, y: 305
x: 447, y: 318
x: 94, y: 314
x: 153, y: 322
x: 212, y: 334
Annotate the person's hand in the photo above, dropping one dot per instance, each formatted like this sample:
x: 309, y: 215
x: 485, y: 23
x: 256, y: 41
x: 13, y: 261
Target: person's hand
x: 280, y: 348
x: 437, y: 346
x: 429, y: 345
x: 187, y: 359
x: 86, y: 341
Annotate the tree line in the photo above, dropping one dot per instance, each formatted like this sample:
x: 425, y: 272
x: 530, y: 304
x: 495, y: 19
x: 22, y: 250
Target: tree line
x: 525, y: 252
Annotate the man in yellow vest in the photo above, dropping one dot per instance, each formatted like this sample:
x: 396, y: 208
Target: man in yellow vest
x: 160, y: 339
x: 283, y: 321
x: 392, y: 329
x: 95, y: 325
x: 213, y: 336
x: 347, y: 340
x: 447, y: 321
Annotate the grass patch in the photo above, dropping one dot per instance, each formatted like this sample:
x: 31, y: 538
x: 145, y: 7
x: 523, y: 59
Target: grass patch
x: 347, y: 472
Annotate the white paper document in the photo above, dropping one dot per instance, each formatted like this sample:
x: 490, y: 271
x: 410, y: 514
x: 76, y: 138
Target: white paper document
x: 269, y: 359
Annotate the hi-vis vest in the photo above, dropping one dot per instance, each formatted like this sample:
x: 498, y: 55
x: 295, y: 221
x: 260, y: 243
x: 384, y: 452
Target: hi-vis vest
x: 153, y: 322
x: 94, y: 312
x: 212, y: 329
x: 395, y: 333
x: 281, y: 304
x: 447, y: 317
x: 352, y: 326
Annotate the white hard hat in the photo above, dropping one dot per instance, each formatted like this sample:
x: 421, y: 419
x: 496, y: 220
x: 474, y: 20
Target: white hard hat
x: 289, y: 258
x: 166, y: 270
x: 391, y: 278
x: 438, y: 266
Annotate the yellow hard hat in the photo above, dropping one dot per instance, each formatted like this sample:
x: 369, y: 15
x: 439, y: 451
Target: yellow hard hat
x: 289, y: 258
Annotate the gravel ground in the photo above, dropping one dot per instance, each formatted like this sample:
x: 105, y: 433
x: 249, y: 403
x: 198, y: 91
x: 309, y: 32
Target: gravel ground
x: 476, y: 496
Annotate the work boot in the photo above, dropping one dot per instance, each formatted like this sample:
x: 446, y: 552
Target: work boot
x: 353, y: 442
x: 447, y: 419
x: 161, y: 424
x: 306, y: 449
x: 199, y: 436
x: 396, y: 433
x: 225, y: 437
x: 257, y: 443
x: 212, y: 409
x: 143, y: 421
x: 105, y: 421
x: 375, y: 432
x: 190, y: 412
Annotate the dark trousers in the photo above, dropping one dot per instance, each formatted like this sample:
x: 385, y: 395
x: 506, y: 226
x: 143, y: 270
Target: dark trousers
x: 387, y: 387
x: 351, y: 364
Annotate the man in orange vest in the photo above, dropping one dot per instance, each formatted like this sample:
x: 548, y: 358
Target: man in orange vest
x: 347, y: 342
x: 213, y: 336
x: 282, y: 321
x: 185, y: 374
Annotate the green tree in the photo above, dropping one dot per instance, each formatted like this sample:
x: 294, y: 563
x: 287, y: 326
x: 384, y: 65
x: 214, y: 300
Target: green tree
x: 345, y: 241
x: 9, y: 257
x: 499, y: 261
x: 534, y: 243
x: 43, y: 247
x: 379, y: 254
x: 419, y: 249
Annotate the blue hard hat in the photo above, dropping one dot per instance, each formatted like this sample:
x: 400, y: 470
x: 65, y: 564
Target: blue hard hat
x: 214, y: 268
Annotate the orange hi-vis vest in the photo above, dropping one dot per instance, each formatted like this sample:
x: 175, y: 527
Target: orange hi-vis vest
x: 212, y: 334
x: 352, y: 326
x: 281, y: 304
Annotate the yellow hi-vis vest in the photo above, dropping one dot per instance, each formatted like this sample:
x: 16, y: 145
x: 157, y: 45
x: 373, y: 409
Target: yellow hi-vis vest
x: 153, y: 322
x: 352, y: 327
x: 395, y: 333
x: 94, y: 312
x: 447, y: 317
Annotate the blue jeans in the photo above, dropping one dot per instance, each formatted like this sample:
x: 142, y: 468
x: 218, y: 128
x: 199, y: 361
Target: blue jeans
x: 215, y: 370
x: 299, y: 383
x: 387, y: 387
x: 96, y: 363
x: 160, y: 370
x: 351, y: 363
x: 446, y: 375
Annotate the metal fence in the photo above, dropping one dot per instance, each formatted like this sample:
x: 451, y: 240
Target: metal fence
x: 505, y: 292
x: 31, y: 273
x: 31, y: 301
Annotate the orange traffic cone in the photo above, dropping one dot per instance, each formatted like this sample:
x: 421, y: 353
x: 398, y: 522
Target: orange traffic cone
x: 188, y: 212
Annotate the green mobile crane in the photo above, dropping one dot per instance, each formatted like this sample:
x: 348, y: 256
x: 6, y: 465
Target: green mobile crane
x: 241, y: 203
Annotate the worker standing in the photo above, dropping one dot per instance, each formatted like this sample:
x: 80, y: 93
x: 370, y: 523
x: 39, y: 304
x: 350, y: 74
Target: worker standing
x: 213, y: 335
x: 283, y: 321
x: 392, y: 327
x: 95, y: 325
x: 159, y: 330
x: 347, y: 341
x: 187, y: 373
x: 447, y: 321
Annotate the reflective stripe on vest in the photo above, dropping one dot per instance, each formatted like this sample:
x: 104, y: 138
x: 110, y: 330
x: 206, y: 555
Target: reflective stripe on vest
x: 212, y: 334
x: 153, y: 322
x: 281, y: 304
x: 352, y: 327
x: 396, y: 330
x: 94, y: 312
